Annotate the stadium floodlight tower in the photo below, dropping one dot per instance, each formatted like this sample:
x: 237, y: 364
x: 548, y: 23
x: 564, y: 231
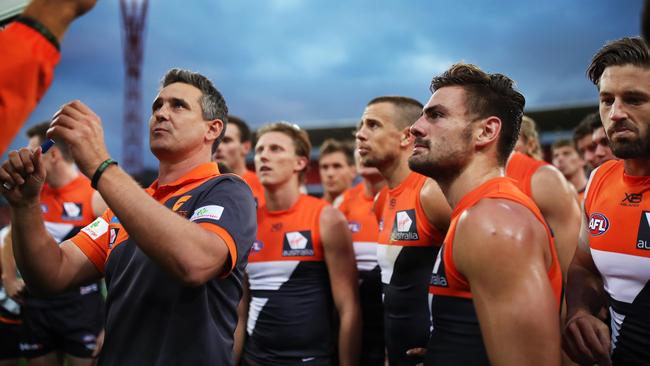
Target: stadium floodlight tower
x: 133, y: 19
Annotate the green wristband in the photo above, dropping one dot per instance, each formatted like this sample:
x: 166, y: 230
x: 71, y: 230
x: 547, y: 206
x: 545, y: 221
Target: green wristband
x: 40, y: 28
x: 100, y: 170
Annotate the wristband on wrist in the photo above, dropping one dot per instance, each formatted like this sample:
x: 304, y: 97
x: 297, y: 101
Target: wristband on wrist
x: 40, y: 28
x: 100, y: 170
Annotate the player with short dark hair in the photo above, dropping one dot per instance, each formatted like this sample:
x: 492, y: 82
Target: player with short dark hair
x: 336, y: 168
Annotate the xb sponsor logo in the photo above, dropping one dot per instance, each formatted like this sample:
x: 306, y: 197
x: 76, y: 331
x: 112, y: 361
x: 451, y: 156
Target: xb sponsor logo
x: 632, y: 199
x: 598, y: 224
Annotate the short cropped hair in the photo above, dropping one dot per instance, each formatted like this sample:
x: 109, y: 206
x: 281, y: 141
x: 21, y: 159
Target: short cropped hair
x: 40, y: 130
x: 624, y: 51
x: 331, y: 146
x: 299, y: 137
x: 244, y: 131
x: 587, y: 126
x: 213, y: 105
x: 408, y: 109
x: 564, y: 143
x: 488, y: 95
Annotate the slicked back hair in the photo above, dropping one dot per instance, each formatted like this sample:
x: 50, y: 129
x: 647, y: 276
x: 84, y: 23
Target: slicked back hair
x: 331, y: 146
x: 624, y: 51
x: 213, y: 105
x: 408, y: 109
x: 488, y: 95
x: 299, y: 137
x: 40, y: 131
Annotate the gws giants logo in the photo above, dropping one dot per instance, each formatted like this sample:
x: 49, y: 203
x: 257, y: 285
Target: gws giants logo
x: 297, y: 244
x: 598, y: 224
x: 405, y: 226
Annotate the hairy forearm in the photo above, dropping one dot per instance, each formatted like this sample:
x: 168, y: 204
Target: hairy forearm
x: 37, y: 254
x: 349, y: 334
x: 179, y: 246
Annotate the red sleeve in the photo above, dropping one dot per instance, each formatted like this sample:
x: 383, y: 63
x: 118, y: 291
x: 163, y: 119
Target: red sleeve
x: 93, y: 240
x: 27, y: 61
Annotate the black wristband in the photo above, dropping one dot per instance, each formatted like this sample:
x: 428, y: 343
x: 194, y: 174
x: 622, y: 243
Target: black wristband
x: 100, y: 170
x: 40, y: 28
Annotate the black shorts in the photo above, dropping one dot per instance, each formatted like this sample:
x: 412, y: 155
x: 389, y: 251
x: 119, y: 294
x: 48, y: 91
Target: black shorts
x: 11, y: 336
x: 70, y: 328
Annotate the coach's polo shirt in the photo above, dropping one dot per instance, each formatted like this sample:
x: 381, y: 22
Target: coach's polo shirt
x: 154, y: 319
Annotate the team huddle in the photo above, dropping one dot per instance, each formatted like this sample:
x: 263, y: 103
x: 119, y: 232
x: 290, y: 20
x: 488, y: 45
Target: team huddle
x: 456, y: 245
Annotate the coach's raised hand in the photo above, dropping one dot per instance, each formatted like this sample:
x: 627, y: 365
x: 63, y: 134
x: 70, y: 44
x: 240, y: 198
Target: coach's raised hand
x: 22, y: 177
x: 81, y: 129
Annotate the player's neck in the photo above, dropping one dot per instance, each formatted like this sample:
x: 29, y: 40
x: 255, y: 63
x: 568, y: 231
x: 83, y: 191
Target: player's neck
x: 637, y: 167
x: 240, y: 169
x: 396, y: 172
x: 331, y: 196
x: 282, y: 196
x: 170, y: 171
x: 578, y: 180
x: 371, y: 188
x: 471, y: 177
x: 62, y: 175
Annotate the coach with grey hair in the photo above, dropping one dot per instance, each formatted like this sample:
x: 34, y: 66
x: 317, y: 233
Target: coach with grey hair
x: 173, y: 255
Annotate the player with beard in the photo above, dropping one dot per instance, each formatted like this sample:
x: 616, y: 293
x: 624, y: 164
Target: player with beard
x: 613, y: 258
x: 498, y: 264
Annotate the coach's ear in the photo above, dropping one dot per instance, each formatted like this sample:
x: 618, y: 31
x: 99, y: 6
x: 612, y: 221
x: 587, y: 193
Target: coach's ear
x: 487, y: 131
x: 213, y: 129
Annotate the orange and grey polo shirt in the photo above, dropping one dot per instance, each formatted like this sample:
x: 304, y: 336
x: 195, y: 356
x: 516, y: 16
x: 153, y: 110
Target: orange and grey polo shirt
x: 151, y: 317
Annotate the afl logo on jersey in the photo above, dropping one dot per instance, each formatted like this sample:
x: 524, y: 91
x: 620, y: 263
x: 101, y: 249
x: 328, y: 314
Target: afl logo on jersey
x: 257, y: 246
x: 354, y: 226
x: 598, y: 224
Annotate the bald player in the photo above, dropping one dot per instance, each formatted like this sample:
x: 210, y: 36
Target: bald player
x: 413, y: 218
x: 497, y: 266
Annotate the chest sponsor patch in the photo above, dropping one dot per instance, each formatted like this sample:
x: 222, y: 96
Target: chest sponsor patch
x: 643, y: 236
x: 96, y: 228
x: 298, y: 244
x: 72, y: 211
x: 212, y: 212
x: 598, y: 224
x: 405, y: 226
x: 438, y: 277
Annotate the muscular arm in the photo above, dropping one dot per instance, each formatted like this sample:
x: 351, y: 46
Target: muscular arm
x: 342, y: 269
x: 556, y: 200
x: 98, y: 204
x: 435, y: 205
x: 502, y: 250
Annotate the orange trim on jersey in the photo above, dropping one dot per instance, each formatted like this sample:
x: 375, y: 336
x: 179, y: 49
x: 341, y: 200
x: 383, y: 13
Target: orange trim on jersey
x: 616, y: 205
x: 521, y: 168
x: 406, y: 197
x: 498, y: 188
x: 92, y: 250
x: 256, y: 186
x: 10, y: 321
x: 230, y: 243
x: 26, y: 71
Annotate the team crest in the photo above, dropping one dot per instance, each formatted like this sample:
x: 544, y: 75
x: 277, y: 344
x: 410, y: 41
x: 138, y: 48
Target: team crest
x: 297, y: 244
x: 598, y: 224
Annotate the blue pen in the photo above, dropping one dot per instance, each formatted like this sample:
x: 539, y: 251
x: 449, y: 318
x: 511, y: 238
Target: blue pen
x: 44, y: 148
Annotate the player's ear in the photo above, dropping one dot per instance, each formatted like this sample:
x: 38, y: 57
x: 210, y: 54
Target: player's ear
x: 488, y: 130
x: 405, y: 137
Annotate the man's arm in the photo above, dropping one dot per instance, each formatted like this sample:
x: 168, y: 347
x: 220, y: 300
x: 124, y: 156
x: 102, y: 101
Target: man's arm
x: 45, y: 265
x: 502, y: 250
x: 28, y: 60
x: 12, y: 284
x: 556, y: 200
x: 342, y: 269
x: 98, y: 204
x: 435, y: 206
x: 242, y: 321
x: 586, y: 337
